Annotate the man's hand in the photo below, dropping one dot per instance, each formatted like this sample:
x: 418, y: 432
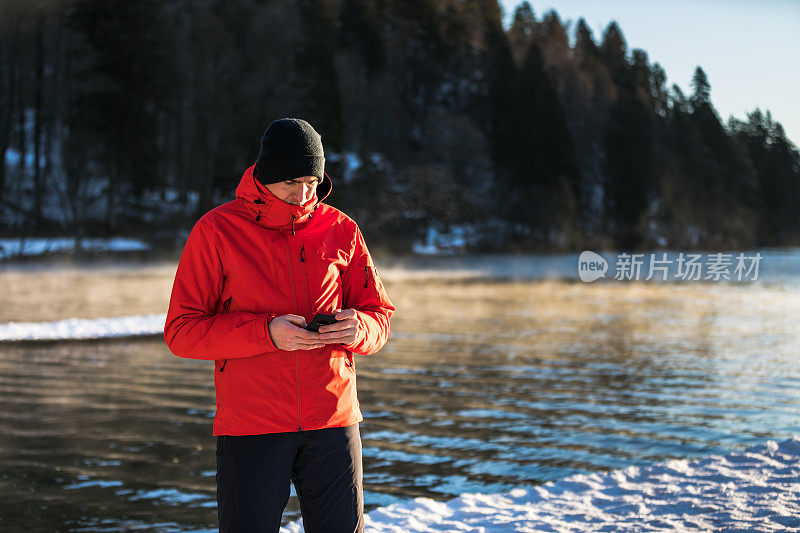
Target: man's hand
x: 288, y: 333
x: 344, y: 331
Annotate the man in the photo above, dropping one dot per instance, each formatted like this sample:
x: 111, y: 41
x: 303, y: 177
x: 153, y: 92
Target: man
x: 253, y: 273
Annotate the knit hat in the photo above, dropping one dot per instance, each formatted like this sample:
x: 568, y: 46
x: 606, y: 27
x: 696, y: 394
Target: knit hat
x: 290, y: 148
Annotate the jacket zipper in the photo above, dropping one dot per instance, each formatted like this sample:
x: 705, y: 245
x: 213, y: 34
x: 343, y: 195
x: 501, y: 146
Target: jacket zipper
x: 294, y: 300
x: 225, y: 307
x: 223, y: 376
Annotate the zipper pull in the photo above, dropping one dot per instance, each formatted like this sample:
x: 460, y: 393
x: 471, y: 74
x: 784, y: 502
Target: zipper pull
x: 366, y: 277
x: 302, y: 254
x: 292, y: 224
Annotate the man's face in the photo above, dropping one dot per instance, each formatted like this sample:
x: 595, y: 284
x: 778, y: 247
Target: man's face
x: 296, y: 191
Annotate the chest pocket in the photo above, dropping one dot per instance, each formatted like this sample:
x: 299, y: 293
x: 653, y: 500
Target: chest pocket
x: 330, y: 254
x: 327, y: 263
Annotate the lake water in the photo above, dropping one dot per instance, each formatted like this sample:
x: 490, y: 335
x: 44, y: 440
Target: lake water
x: 484, y: 386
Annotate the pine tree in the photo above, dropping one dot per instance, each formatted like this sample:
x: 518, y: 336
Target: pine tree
x: 542, y: 191
x: 500, y: 115
x: 586, y: 50
x: 587, y: 110
x: 628, y: 143
x: 553, y: 32
x: 723, y: 177
x: 658, y: 91
x: 777, y: 165
x: 710, y: 183
x: 614, y: 51
x: 702, y: 88
x: 522, y: 31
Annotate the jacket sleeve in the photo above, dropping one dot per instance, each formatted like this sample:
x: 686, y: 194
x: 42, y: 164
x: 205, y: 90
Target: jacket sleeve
x: 364, y: 292
x: 193, y: 328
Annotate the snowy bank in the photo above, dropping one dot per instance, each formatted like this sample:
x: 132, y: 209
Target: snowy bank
x: 41, y: 246
x: 753, y: 490
x: 83, y: 328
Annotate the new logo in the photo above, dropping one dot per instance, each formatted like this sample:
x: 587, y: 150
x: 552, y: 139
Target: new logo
x: 591, y: 266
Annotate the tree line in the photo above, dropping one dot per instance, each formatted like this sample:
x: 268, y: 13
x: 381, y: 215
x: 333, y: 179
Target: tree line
x: 133, y: 117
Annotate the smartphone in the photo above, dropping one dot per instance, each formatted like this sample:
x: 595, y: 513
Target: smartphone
x: 320, y: 320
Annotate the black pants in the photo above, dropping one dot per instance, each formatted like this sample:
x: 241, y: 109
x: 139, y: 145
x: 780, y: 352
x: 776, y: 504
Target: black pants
x: 254, y: 471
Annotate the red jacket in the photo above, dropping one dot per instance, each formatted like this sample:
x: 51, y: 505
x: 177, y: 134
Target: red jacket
x: 258, y: 257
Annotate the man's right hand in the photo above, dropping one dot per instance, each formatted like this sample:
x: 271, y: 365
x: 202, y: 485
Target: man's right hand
x: 288, y: 333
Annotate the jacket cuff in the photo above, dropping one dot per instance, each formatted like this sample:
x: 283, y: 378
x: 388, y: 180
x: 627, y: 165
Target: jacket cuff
x: 361, y: 333
x: 267, y: 338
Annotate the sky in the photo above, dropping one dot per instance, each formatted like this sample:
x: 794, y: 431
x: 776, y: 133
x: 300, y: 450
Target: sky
x: 750, y: 50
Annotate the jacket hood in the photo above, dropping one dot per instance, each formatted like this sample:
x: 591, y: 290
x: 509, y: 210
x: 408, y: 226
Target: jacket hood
x: 272, y: 212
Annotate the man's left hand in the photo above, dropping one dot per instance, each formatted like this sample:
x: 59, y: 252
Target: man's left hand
x: 344, y: 331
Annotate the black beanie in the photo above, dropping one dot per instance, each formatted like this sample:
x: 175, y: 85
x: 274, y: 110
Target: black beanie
x: 290, y: 148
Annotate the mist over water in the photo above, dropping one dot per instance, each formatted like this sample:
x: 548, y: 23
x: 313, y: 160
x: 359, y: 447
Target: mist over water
x: 484, y: 386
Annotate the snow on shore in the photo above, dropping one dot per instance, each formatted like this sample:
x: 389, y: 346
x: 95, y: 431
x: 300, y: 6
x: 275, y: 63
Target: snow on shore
x: 40, y: 246
x: 753, y: 490
x: 84, y: 328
